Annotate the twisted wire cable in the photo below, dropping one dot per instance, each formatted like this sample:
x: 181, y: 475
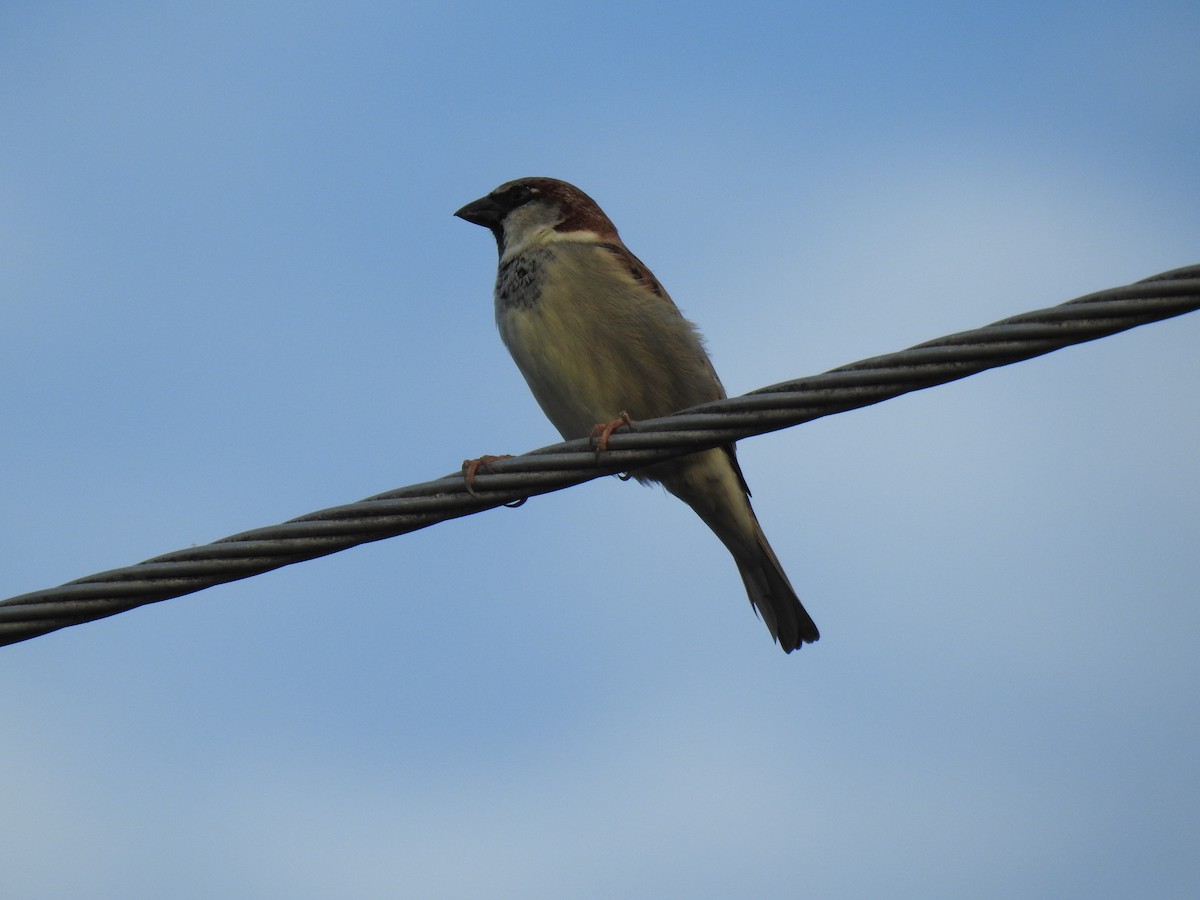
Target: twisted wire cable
x: 510, y: 480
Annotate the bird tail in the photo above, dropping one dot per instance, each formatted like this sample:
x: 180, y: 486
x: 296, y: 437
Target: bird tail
x: 773, y: 596
x: 711, y: 483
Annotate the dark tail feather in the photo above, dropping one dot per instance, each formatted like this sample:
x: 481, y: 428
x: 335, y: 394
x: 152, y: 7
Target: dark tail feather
x: 773, y: 596
x: 712, y: 485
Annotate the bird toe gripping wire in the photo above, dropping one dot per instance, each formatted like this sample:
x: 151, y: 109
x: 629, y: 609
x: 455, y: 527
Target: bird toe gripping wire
x: 510, y: 481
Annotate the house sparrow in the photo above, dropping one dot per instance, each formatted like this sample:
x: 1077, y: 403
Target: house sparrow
x: 599, y: 341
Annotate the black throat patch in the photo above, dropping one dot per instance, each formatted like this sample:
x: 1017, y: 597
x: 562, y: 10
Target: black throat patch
x: 519, y: 280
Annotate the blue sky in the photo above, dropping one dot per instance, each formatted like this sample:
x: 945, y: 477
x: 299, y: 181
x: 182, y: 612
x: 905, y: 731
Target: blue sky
x: 233, y: 292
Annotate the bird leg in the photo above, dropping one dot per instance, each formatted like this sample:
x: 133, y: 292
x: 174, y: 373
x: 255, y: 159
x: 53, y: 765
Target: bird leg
x: 603, y: 431
x: 471, y: 466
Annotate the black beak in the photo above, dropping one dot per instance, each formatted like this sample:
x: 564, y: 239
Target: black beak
x: 485, y: 211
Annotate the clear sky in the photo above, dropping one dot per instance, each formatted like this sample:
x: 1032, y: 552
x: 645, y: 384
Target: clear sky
x: 232, y: 292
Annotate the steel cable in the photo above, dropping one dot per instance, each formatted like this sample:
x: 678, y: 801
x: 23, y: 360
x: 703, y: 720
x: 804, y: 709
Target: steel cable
x: 552, y: 468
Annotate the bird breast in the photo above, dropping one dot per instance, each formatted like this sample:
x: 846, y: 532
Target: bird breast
x: 593, y: 342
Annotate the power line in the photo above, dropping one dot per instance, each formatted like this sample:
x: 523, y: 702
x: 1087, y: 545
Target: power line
x: 573, y: 462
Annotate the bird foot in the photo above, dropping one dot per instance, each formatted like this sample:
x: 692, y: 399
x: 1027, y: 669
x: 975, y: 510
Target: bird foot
x: 472, y: 466
x: 604, y: 430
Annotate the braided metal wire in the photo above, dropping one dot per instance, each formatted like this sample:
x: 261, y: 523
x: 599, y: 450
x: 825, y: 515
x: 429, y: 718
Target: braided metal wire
x: 512, y: 479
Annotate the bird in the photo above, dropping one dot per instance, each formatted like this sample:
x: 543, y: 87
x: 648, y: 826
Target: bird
x: 601, y: 344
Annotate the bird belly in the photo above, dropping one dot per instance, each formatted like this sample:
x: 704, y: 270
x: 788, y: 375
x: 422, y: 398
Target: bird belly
x: 593, y: 343
x: 569, y: 368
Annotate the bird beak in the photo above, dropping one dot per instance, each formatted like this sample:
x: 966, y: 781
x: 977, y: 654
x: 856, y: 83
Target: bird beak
x: 485, y: 211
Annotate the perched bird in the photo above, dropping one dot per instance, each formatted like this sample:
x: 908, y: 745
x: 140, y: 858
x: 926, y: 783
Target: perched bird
x: 599, y: 341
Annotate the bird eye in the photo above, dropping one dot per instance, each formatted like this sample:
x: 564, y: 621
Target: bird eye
x: 517, y: 195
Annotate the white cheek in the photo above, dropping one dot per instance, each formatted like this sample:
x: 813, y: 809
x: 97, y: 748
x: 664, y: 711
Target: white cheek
x: 532, y: 225
x: 527, y: 226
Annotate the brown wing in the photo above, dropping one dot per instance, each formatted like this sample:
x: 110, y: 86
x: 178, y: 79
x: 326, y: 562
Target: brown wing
x: 641, y: 273
x: 635, y: 267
